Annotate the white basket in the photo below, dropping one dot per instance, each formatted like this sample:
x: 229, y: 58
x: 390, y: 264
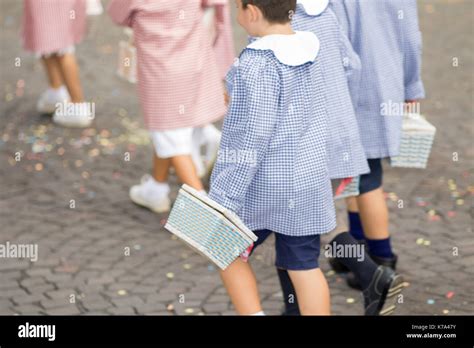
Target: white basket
x: 350, y: 190
x: 208, y: 227
x: 94, y: 8
x: 127, y: 60
x: 417, y: 139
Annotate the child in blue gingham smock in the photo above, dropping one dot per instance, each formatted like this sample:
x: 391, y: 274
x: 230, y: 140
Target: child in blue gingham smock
x: 341, y: 71
x: 272, y: 166
x: 346, y: 156
x: 339, y: 63
x: 386, y: 36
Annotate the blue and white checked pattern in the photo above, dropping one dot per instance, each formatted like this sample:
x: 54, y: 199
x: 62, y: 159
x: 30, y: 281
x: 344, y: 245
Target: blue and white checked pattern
x: 206, y: 231
x: 346, y: 156
x: 278, y: 113
x: 351, y: 190
x: 386, y: 36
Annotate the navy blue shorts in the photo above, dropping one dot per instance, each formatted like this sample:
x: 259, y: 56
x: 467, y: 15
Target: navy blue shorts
x: 373, y: 180
x: 293, y: 253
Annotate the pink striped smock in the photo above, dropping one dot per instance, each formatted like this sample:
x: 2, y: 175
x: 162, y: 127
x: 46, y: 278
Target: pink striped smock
x: 179, y: 81
x: 224, y: 47
x: 51, y: 26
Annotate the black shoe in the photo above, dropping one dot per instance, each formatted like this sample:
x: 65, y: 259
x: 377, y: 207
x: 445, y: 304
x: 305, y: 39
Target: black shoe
x: 380, y: 297
x: 354, y: 283
x: 337, y: 266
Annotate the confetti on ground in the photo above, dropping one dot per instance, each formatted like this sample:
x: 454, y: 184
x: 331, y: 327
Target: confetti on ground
x: 187, y: 266
x: 122, y: 292
x: 450, y: 294
x: 420, y: 241
x: 170, y: 307
x: 430, y: 301
x: 170, y: 275
x: 445, y: 311
x: 427, y: 243
x: 330, y: 273
x: 350, y: 300
x: 189, y: 311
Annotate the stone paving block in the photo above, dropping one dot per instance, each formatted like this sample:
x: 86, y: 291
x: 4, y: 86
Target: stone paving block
x: 67, y: 310
x: 82, y: 248
x: 127, y: 310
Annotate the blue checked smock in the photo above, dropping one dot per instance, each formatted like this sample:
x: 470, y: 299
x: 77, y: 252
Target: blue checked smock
x: 386, y: 36
x: 272, y: 168
x: 346, y: 155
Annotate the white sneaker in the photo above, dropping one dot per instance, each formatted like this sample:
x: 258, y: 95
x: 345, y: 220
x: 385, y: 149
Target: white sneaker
x: 212, y: 138
x: 198, y: 160
x: 74, y: 115
x: 151, y: 194
x: 48, y: 100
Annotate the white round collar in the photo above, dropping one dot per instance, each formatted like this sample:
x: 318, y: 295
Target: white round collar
x: 293, y: 50
x: 314, y: 7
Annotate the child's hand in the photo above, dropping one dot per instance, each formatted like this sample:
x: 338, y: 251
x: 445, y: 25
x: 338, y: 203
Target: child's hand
x: 412, y: 106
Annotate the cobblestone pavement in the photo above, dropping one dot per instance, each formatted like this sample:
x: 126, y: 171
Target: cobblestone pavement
x: 100, y: 254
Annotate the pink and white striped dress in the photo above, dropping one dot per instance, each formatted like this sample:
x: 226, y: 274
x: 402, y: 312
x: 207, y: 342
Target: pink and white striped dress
x: 51, y: 26
x: 179, y: 81
x: 224, y: 46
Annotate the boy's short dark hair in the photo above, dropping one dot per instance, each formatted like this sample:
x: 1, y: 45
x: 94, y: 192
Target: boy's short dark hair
x: 274, y: 11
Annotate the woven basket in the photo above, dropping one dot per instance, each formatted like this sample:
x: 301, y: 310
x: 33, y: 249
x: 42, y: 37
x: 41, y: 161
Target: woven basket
x: 417, y: 139
x: 208, y: 228
x: 349, y: 189
x: 127, y: 58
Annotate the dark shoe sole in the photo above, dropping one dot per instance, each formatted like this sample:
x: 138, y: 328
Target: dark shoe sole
x: 388, y: 304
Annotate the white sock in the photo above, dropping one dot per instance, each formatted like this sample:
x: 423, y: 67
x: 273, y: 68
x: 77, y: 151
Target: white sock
x: 210, y: 133
x: 258, y: 313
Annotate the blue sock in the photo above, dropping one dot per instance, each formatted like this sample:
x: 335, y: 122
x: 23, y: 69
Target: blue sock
x: 380, y: 247
x: 356, y: 230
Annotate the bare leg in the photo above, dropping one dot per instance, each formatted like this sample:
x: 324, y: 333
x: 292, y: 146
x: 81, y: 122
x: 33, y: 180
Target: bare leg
x: 241, y: 285
x: 351, y: 203
x: 53, y: 72
x: 186, y: 171
x: 374, y: 214
x: 70, y: 74
x: 312, y: 291
x: 161, y: 167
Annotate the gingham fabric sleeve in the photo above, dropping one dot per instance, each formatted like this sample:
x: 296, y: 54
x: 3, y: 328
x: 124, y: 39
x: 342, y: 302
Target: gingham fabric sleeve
x: 219, y: 6
x: 229, y: 79
x: 121, y: 12
x: 247, y: 128
x: 414, y: 88
x: 352, y: 66
x: 337, y: 6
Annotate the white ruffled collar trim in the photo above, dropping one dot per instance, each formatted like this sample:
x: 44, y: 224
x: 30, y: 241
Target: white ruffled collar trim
x: 314, y: 7
x: 293, y: 50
